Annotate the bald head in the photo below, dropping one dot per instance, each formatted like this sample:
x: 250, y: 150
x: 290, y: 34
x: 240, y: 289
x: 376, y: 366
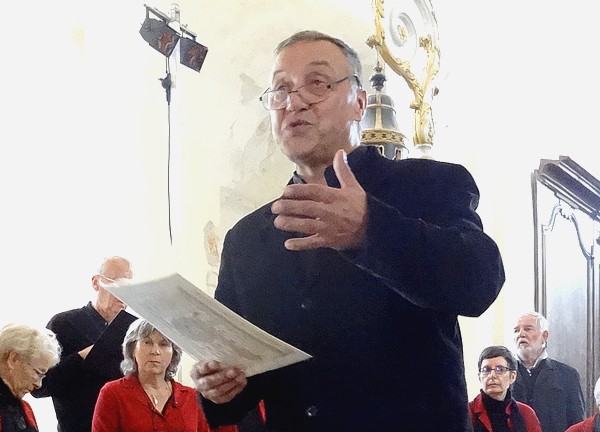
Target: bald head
x: 111, y: 270
x: 116, y: 267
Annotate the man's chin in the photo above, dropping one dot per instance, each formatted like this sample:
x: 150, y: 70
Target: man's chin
x: 525, y: 351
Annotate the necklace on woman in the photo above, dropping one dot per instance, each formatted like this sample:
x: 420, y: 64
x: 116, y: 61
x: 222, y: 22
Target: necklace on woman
x: 166, y: 390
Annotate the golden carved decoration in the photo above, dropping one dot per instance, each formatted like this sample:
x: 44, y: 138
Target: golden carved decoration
x: 382, y: 135
x: 423, y: 118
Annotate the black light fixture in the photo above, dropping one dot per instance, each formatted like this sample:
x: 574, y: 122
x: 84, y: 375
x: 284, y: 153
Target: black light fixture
x: 158, y: 33
x: 164, y: 38
x: 163, y: 33
x: 191, y: 53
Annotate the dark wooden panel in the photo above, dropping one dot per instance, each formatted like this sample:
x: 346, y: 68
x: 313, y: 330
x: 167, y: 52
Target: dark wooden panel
x: 566, y: 206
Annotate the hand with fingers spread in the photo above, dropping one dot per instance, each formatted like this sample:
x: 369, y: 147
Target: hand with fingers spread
x: 330, y: 217
x: 216, y: 382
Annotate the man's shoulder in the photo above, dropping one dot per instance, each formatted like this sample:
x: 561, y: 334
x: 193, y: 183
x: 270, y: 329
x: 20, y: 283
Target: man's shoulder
x: 422, y: 174
x: 373, y: 156
x: 560, y: 366
x: 67, y: 316
x: 415, y: 166
x: 254, y: 218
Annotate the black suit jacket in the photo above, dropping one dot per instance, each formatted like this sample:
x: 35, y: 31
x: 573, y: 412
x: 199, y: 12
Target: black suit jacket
x: 380, y: 322
x: 557, y: 398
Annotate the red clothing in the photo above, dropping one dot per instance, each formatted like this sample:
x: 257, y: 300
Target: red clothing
x: 478, y: 412
x: 124, y: 406
x: 586, y: 425
x: 29, y: 417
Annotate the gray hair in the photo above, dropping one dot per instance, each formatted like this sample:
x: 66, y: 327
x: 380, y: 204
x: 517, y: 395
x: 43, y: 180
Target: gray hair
x: 29, y: 342
x: 597, y: 392
x: 312, y: 35
x: 541, y: 320
x: 141, y: 329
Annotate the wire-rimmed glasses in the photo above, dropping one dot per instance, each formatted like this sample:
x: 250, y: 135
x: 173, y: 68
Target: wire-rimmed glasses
x: 312, y: 92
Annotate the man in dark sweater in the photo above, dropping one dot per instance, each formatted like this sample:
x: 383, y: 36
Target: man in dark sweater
x: 550, y: 387
x: 364, y: 263
x: 91, y: 339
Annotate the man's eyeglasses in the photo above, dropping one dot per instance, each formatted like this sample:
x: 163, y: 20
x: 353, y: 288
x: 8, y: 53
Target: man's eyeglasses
x: 311, y: 93
x: 500, y: 370
x: 105, y: 281
x: 108, y: 279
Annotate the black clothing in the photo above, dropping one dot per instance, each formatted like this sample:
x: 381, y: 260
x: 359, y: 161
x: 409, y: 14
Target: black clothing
x: 74, y: 383
x: 528, y: 377
x: 380, y: 322
x: 496, y: 412
x: 500, y: 414
x: 13, y: 417
x: 553, y: 391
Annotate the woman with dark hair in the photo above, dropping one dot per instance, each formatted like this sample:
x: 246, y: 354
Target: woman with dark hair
x: 26, y: 354
x: 494, y: 409
x: 148, y: 398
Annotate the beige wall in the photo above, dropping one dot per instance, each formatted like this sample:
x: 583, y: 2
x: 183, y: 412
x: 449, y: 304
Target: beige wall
x: 84, y: 155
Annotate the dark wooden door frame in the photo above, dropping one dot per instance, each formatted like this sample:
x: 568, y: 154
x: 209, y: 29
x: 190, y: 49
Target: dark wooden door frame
x: 574, y: 189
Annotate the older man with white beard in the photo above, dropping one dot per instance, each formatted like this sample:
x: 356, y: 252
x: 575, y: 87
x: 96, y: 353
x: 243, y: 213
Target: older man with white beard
x: 550, y: 387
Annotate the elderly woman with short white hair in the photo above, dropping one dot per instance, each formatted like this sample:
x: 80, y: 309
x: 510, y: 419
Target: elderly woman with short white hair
x: 26, y: 354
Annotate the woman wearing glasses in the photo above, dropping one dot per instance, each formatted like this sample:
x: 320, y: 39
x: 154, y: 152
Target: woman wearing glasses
x: 494, y: 409
x: 26, y: 354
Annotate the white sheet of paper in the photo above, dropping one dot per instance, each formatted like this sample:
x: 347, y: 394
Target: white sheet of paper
x: 204, y: 328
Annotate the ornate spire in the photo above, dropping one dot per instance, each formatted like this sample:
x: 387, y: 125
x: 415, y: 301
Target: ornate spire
x: 379, y: 127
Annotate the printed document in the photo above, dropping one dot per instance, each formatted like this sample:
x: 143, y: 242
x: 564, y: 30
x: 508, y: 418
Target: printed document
x: 204, y: 328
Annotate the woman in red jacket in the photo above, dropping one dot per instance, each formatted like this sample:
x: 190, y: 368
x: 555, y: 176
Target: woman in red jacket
x: 494, y: 409
x: 26, y: 354
x: 590, y: 424
x: 147, y: 398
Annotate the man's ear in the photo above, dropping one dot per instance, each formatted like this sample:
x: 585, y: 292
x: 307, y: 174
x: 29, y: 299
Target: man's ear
x: 95, y: 282
x: 361, y: 103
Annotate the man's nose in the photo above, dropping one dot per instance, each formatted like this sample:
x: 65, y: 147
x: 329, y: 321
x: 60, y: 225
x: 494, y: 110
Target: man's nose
x: 295, y: 101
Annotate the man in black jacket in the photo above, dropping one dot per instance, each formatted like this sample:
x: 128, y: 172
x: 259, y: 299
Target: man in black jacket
x: 550, y: 387
x: 364, y: 263
x: 91, y: 350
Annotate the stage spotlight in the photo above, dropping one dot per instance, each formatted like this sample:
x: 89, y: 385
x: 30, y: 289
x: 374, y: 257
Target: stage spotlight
x: 192, y: 54
x: 159, y: 35
x: 163, y: 38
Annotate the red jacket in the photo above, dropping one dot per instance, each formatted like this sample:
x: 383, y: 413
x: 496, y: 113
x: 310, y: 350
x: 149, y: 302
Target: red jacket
x: 478, y: 412
x: 29, y: 417
x: 586, y: 425
x: 124, y: 406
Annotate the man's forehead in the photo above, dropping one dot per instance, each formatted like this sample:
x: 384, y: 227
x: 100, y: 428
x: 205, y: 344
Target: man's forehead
x: 117, y: 269
x: 527, y: 320
x: 304, y: 55
x: 309, y: 66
